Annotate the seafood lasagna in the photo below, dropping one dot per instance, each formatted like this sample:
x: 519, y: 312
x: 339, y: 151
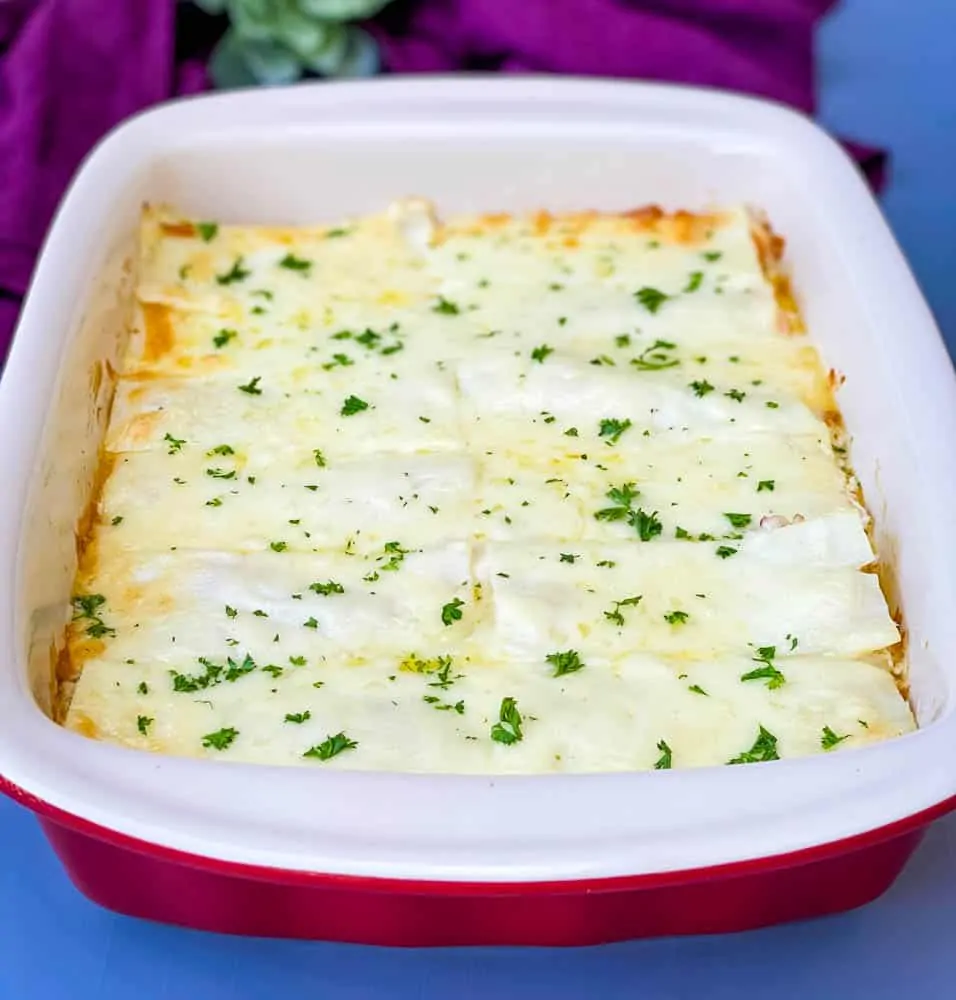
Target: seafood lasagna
x: 489, y: 494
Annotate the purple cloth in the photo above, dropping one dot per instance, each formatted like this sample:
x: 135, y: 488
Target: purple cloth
x: 69, y: 71
x: 762, y: 47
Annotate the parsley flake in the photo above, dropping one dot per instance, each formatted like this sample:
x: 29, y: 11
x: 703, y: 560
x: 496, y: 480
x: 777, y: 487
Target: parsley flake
x: 651, y: 298
x: 763, y: 749
x: 565, y: 663
x: 829, y: 739
x: 676, y: 617
x: 143, y: 722
x: 541, y: 352
x: 252, y: 386
x: 612, y: 429
x: 236, y: 273
x: 451, y: 612
x: 694, y: 280
x: 223, y: 337
x: 701, y: 388
x: 664, y: 761
x: 446, y: 308
x: 766, y: 485
x: 221, y: 739
x: 353, y: 405
x: 738, y: 520
x: 331, y: 747
x: 507, y: 729
x: 207, y: 230
x: 175, y: 444
x: 292, y: 263
x: 327, y: 589
x: 298, y: 717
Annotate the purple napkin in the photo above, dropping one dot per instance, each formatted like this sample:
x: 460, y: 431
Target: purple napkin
x: 762, y: 47
x: 69, y: 71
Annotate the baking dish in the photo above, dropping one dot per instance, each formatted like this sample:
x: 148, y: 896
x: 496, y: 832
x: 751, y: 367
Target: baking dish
x: 415, y: 859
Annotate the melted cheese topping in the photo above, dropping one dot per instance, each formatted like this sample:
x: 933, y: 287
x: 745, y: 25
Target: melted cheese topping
x: 503, y: 495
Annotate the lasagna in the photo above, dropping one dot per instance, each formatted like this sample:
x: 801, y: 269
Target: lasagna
x: 495, y: 494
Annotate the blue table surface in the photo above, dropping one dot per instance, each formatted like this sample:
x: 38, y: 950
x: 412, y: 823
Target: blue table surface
x: 888, y: 76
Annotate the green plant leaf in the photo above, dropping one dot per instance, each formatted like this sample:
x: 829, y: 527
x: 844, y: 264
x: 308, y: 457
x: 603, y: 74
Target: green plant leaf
x: 212, y: 6
x: 362, y: 55
x: 342, y: 10
x: 227, y: 65
x: 328, y: 57
x: 271, y: 63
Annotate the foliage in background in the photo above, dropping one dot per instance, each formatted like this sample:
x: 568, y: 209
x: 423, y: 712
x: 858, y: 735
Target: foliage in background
x: 278, y: 41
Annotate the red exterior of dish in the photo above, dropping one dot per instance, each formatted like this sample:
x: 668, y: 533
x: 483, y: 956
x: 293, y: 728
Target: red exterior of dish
x: 146, y: 880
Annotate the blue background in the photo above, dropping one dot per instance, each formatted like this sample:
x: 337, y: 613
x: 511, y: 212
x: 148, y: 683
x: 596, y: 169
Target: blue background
x: 888, y: 75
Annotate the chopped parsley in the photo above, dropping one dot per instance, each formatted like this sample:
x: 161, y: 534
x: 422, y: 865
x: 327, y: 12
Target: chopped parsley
x: 829, y: 739
x: 766, y: 486
x: 565, y: 663
x: 736, y: 395
x: 327, y: 589
x: 676, y: 617
x: 310, y: 623
x: 221, y: 473
x: 507, y: 729
x: 712, y: 255
x: 353, y: 405
x: 221, y: 449
x: 656, y: 357
x: 175, y: 444
x: 331, y: 747
x: 394, y: 554
x: 87, y: 607
x: 651, y: 298
x: 231, y: 612
x: 614, y: 615
x: 738, y: 520
x: 701, y: 387
x: 446, y: 308
x: 278, y: 546
x: 451, y: 612
x: 142, y: 687
x: 763, y: 749
x: 236, y: 273
x: 612, y: 429
x: 726, y: 551
x: 252, y: 386
x: 694, y: 280
x: 143, y: 722
x: 664, y: 761
x: 646, y: 525
x: 769, y: 673
x: 223, y: 337
x: 293, y: 263
x: 622, y: 497
x: 207, y: 230
x: 221, y: 739
x: 541, y: 352
x: 319, y: 458
x: 697, y: 689
x: 334, y: 234
x: 567, y: 557
x: 298, y: 717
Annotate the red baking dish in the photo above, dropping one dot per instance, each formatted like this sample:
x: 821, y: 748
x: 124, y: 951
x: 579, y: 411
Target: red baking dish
x: 414, y: 859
